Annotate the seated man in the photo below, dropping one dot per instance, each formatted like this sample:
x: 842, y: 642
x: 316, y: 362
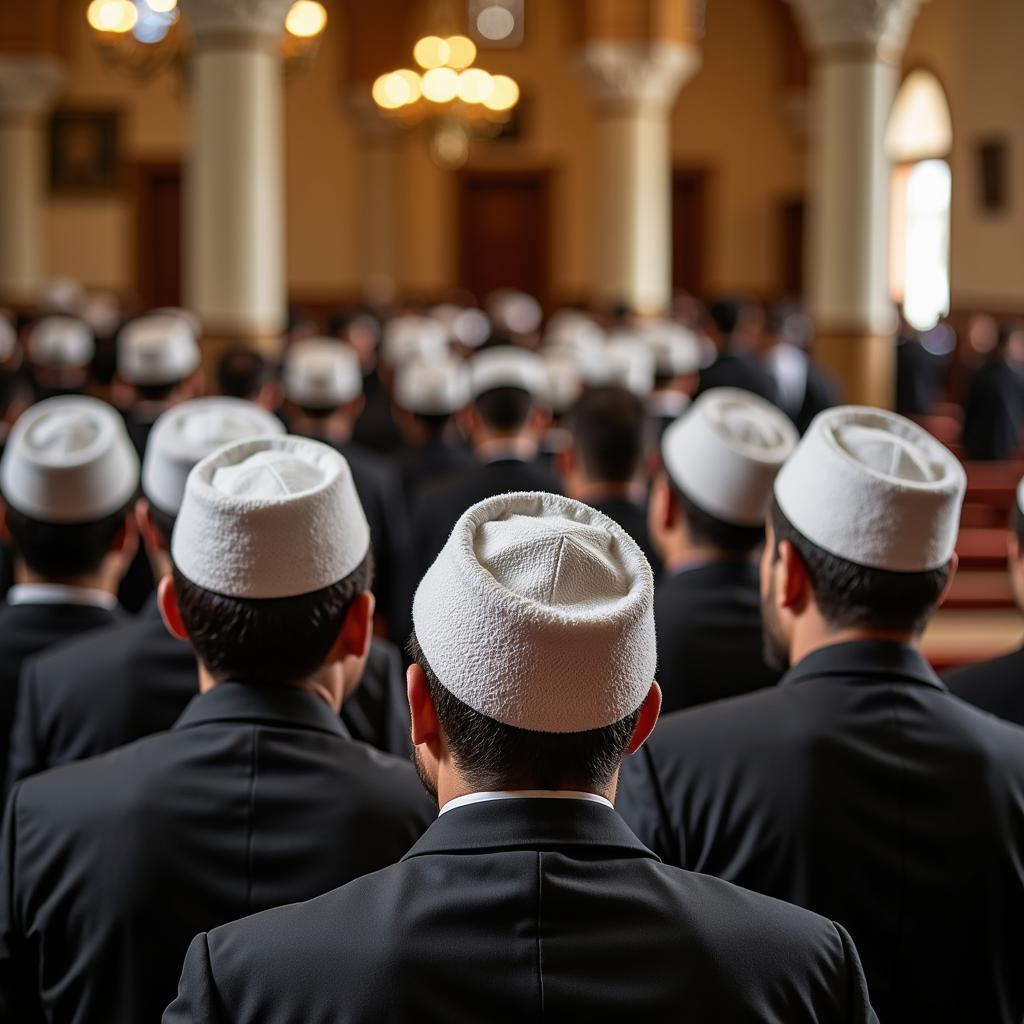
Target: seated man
x: 528, y: 898
x: 68, y: 478
x: 256, y: 797
x: 707, y: 523
x: 997, y: 685
x: 505, y: 423
x: 59, y: 349
x: 859, y: 787
x: 604, y: 463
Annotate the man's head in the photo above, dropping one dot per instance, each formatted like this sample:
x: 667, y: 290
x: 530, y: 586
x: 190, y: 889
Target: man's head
x: 272, y: 568
x: 609, y: 440
x: 720, y: 459
x: 60, y: 349
x: 508, y: 385
x: 427, y: 394
x: 181, y: 437
x: 861, y: 534
x: 158, y: 358
x: 533, y: 650
x: 68, y: 477
x: 323, y: 388
x: 244, y: 373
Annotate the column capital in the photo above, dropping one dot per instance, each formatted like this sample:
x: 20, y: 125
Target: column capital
x: 638, y: 74
x: 239, y: 18
x: 876, y: 28
x: 29, y: 85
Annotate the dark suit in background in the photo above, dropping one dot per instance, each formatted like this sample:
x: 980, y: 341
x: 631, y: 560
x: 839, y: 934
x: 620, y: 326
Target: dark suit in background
x: 257, y: 797
x: 521, y: 910
x: 710, y: 645
x: 994, y: 412
x: 117, y: 685
x: 27, y: 629
x: 738, y: 371
x: 432, y: 462
x: 995, y: 686
x: 861, y: 789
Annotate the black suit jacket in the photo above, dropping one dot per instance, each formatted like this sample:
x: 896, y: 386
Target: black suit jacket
x: 860, y: 788
x: 709, y: 634
x: 257, y: 797
x: 995, y: 686
x: 994, y: 412
x: 432, y: 462
x: 734, y: 370
x: 440, y: 505
x: 525, y: 910
x: 117, y: 685
x: 27, y: 629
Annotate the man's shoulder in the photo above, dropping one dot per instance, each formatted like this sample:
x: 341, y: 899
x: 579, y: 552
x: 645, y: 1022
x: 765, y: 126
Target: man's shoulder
x: 73, y: 658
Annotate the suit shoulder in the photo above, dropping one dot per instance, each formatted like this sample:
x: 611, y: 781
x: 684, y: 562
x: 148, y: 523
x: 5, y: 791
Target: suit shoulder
x: 105, y: 644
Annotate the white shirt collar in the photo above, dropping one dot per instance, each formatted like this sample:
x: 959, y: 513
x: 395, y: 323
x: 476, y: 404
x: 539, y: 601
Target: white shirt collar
x: 523, y: 794
x: 520, y: 449
x: 60, y: 593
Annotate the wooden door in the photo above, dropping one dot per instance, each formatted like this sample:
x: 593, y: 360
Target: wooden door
x: 158, y: 233
x: 504, y: 231
x: 689, y: 218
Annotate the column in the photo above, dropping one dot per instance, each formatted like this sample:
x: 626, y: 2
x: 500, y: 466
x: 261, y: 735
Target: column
x: 856, y: 47
x: 234, y: 271
x: 28, y: 88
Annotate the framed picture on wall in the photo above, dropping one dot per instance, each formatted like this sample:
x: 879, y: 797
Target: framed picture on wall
x: 85, y: 152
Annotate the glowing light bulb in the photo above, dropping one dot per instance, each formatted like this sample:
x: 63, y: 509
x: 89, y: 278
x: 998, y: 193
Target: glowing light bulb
x: 162, y: 6
x: 461, y: 51
x: 432, y: 52
x: 413, y: 83
x: 306, y: 18
x: 117, y: 16
x: 440, y: 85
x: 505, y: 94
x: 390, y: 91
x: 475, y: 85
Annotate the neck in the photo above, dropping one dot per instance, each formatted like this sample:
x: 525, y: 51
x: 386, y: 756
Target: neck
x: 87, y: 581
x: 677, y: 552
x: 593, y: 491
x: 806, y: 642
x: 327, y: 684
x: 487, y: 445
x: 451, y: 784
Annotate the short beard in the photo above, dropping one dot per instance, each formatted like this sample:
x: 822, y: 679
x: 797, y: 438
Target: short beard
x: 429, y: 784
x: 774, y: 648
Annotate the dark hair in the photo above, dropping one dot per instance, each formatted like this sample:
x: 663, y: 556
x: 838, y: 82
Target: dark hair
x: 725, y: 314
x: 609, y: 427
x: 156, y: 392
x: 504, y: 409
x: 274, y: 640
x: 855, y: 596
x: 491, y: 755
x: 708, y: 530
x: 63, y: 550
x: 241, y: 373
x: 434, y: 424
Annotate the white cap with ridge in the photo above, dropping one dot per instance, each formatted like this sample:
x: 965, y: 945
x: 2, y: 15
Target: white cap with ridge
x: 508, y: 366
x: 432, y: 387
x: 156, y: 349
x: 189, y: 432
x: 724, y: 451
x: 69, y: 460
x: 59, y: 341
x: 413, y: 337
x: 539, y: 613
x: 873, y: 488
x: 322, y: 373
x: 270, y: 517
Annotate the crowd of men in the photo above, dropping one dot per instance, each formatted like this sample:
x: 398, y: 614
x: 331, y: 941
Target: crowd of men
x: 467, y: 665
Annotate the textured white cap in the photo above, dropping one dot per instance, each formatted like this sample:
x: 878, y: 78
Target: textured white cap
x: 472, y: 327
x: 874, y: 488
x: 69, y: 460
x: 513, y: 311
x: 565, y: 381
x: 724, y: 452
x: 675, y: 348
x: 569, y: 328
x: 508, y: 366
x: 159, y: 348
x: 539, y: 613
x: 432, y: 388
x: 61, y: 341
x: 195, y: 325
x: 270, y: 517
x: 189, y: 432
x: 626, y: 361
x: 413, y: 337
x: 322, y: 373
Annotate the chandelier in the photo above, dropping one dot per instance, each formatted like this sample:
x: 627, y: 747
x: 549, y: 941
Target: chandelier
x: 453, y: 99
x: 142, y: 37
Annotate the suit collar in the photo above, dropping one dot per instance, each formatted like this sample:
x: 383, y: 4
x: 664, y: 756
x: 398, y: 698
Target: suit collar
x: 871, y: 659
x: 265, y: 705
x: 529, y: 825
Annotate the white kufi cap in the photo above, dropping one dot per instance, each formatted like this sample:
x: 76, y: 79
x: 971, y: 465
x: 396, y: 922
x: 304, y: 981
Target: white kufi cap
x: 159, y: 348
x: 539, y: 613
x: 724, y: 451
x: 508, y: 366
x: 675, y: 348
x: 413, y: 337
x: 59, y: 341
x: 270, y: 517
x: 322, y: 373
x: 875, y: 489
x: 187, y: 433
x: 432, y: 388
x: 514, y: 312
x: 69, y: 460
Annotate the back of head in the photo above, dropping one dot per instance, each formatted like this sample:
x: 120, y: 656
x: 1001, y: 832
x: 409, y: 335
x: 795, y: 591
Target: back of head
x: 321, y: 375
x: 270, y: 548
x: 871, y: 504
x: 68, y: 475
x: 242, y: 373
x: 535, y: 630
x: 609, y: 431
x: 432, y: 390
x: 156, y: 352
x: 506, y: 382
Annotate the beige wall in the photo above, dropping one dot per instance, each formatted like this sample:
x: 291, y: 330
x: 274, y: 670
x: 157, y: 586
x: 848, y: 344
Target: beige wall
x: 734, y: 119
